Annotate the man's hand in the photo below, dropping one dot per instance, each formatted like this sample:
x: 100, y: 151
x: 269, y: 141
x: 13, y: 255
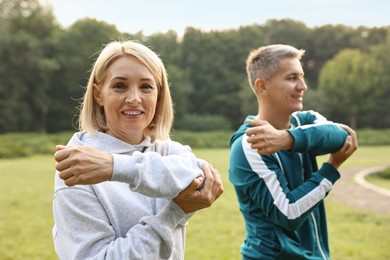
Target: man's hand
x: 83, y: 165
x: 201, y: 193
x: 266, y: 139
x: 349, y: 147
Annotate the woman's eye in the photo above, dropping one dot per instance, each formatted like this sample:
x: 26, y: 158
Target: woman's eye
x: 119, y: 86
x: 146, y: 87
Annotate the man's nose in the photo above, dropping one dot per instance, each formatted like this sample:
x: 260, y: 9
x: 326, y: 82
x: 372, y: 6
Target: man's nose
x: 302, y: 85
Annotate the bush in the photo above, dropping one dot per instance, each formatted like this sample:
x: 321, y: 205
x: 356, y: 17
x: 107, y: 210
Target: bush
x: 211, y: 139
x: 374, y: 136
x: 195, y: 122
x: 27, y: 144
x: 385, y: 174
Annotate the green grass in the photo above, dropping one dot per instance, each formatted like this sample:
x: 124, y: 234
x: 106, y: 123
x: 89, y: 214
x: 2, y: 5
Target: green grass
x: 381, y: 179
x: 366, y: 156
x: 26, y: 186
x: 218, y: 232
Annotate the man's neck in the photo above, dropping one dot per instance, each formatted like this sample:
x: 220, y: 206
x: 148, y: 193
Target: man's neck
x: 278, y: 120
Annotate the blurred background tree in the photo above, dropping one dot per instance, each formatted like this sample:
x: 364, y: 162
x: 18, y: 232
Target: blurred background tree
x: 44, y: 69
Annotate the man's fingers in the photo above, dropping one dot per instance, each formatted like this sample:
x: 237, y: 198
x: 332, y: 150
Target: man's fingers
x: 256, y: 122
x: 349, y: 130
x: 353, y: 134
x: 347, y: 144
x: 257, y: 126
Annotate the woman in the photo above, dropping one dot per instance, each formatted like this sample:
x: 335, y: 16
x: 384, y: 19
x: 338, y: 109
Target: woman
x: 140, y: 185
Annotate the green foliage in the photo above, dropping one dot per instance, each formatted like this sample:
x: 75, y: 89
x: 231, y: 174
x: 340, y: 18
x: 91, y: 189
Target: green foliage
x: 197, y: 122
x: 15, y: 145
x: 211, y: 139
x: 76, y: 54
x: 374, y: 136
x: 349, y: 77
x: 27, y: 64
x: 381, y: 179
x: 206, y: 69
x: 385, y: 174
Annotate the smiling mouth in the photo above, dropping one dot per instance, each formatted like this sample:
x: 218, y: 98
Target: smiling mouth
x: 297, y: 97
x: 132, y: 113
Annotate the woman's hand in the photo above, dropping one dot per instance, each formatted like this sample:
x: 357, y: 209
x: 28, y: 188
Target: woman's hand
x: 201, y: 193
x: 83, y: 165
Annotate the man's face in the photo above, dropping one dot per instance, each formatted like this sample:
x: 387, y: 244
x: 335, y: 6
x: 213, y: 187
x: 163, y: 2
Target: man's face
x: 286, y: 88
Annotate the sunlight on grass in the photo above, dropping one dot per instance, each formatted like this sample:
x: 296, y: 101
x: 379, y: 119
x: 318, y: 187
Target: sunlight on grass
x: 215, y: 233
x: 25, y: 200
x: 366, y: 156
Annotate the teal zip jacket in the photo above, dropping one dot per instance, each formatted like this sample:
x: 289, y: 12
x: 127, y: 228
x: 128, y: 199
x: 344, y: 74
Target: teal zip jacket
x: 281, y: 195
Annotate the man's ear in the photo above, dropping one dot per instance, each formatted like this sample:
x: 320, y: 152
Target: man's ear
x: 97, y: 94
x: 260, y: 86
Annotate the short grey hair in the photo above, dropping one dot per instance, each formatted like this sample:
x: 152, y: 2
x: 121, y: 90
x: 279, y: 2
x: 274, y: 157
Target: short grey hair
x: 264, y: 61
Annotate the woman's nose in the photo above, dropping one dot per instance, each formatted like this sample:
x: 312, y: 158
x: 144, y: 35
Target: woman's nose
x: 133, y: 97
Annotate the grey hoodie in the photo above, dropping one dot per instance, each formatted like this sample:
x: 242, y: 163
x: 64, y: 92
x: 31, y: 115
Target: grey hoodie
x: 133, y: 215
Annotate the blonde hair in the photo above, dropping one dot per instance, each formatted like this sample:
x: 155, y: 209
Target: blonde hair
x: 264, y: 61
x: 92, y: 117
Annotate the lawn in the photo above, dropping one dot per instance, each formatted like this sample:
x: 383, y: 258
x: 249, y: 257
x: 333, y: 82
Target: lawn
x: 216, y: 233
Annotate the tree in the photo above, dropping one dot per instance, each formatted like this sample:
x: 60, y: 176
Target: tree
x: 378, y: 119
x: 78, y: 48
x: 180, y: 87
x: 352, y: 83
x: 325, y: 42
x: 27, y: 63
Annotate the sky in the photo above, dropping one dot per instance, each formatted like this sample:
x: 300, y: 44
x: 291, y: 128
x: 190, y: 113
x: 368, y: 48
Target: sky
x: 152, y: 16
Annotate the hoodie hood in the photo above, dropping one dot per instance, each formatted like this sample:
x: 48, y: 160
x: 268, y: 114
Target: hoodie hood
x: 241, y: 130
x: 107, y: 143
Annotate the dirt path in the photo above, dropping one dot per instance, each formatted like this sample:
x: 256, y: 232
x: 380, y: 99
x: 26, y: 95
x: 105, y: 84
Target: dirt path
x: 352, y: 190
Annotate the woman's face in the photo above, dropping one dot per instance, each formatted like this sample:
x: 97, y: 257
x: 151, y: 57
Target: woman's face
x: 129, y: 97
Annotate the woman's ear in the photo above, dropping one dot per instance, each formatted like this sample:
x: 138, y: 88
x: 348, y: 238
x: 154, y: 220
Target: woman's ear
x: 97, y: 94
x: 260, y: 86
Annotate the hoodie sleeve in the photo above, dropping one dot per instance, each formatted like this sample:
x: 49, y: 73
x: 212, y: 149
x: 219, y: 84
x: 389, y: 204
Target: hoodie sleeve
x: 83, y: 231
x: 158, y: 175
x: 315, y: 134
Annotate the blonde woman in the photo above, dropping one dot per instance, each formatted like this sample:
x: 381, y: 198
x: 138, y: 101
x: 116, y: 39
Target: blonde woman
x: 123, y: 189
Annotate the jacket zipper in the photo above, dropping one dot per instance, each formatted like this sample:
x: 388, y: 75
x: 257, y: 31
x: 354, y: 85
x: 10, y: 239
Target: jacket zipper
x: 317, y: 237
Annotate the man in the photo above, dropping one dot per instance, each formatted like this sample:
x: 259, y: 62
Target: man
x: 273, y: 166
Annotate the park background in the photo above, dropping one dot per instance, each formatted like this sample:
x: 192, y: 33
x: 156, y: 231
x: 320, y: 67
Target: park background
x: 44, y: 67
